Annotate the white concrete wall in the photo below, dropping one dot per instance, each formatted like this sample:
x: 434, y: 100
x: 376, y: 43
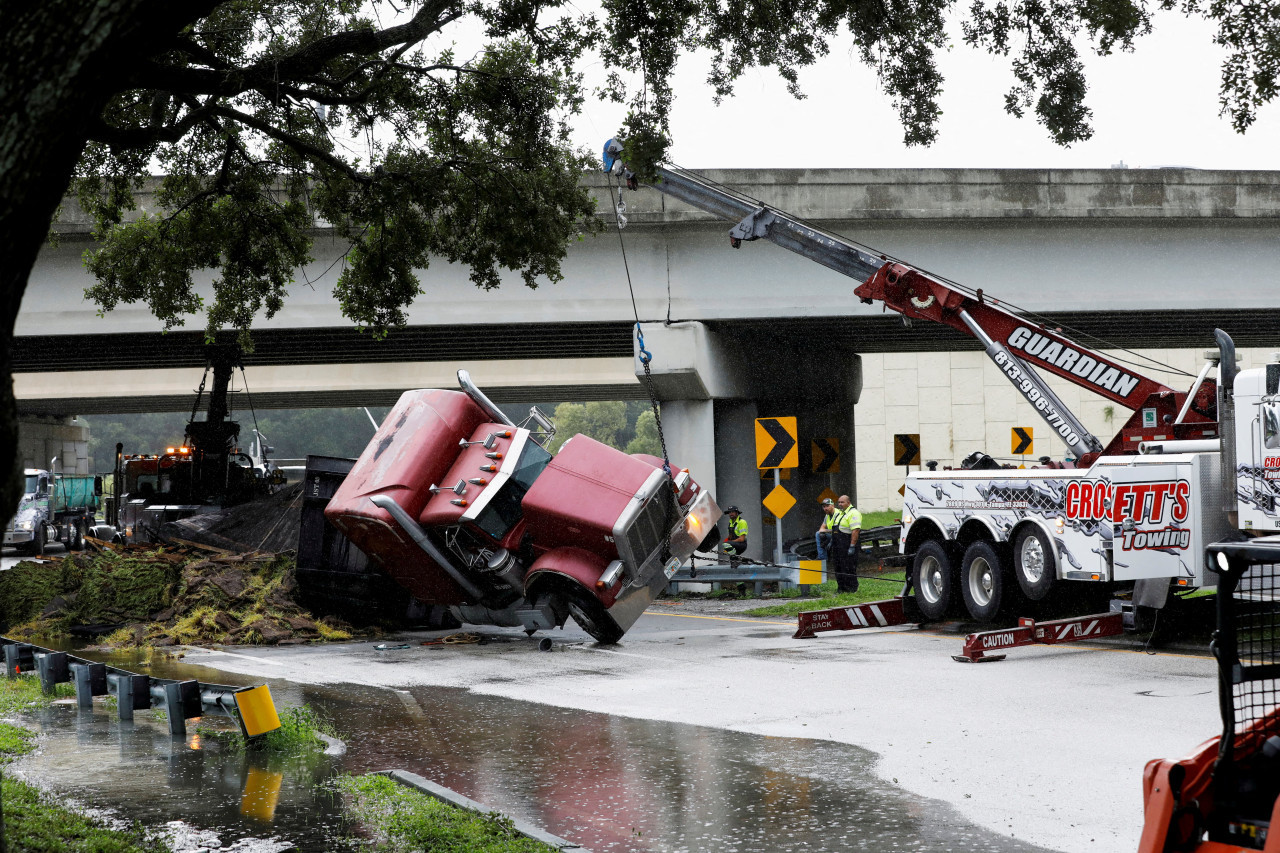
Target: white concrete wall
x: 959, y: 402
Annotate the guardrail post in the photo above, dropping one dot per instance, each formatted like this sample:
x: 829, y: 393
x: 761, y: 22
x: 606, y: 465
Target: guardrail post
x: 91, y: 680
x: 18, y: 658
x: 132, y: 694
x: 181, y: 700
x: 52, y: 667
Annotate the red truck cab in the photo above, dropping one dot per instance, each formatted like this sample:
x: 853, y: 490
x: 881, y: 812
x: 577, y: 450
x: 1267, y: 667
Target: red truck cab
x: 466, y: 509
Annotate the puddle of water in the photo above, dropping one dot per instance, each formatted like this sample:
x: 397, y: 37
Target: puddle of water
x: 606, y: 782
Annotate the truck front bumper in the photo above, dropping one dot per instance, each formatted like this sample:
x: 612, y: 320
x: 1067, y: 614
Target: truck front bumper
x: 19, y: 537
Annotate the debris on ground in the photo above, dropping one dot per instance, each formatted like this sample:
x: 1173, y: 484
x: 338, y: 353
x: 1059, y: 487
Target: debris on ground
x: 268, y: 524
x: 180, y: 594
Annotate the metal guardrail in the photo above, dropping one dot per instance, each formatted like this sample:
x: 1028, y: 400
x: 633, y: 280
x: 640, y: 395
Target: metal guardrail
x: 251, y: 707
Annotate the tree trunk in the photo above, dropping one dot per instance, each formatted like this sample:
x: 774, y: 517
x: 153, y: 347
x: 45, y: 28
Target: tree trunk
x: 60, y: 61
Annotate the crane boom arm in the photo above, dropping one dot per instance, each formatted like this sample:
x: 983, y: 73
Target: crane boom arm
x: 1016, y: 345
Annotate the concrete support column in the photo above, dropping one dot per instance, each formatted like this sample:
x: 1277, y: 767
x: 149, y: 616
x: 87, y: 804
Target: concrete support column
x: 689, y: 427
x: 44, y: 437
x: 738, y: 479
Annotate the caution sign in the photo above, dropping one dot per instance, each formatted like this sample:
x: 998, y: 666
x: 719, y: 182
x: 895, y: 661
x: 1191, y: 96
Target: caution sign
x: 906, y: 448
x: 827, y: 495
x: 1020, y: 440
x: 779, y: 501
x: 776, y: 443
x: 826, y: 455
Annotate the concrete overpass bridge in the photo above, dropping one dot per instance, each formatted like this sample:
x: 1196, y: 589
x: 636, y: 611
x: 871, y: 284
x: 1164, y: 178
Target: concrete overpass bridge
x: 1149, y: 259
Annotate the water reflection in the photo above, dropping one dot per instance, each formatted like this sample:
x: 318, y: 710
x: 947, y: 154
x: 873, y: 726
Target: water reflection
x: 606, y: 782
x: 142, y: 773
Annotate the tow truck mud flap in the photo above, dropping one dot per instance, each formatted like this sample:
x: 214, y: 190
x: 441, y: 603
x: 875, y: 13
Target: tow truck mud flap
x: 1030, y: 632
x: 873, y: 614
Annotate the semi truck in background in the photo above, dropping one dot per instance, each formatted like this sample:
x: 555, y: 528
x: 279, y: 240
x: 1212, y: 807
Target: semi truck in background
x: 1131, y: 515
x: 468, y: 510
x: 54, y: 508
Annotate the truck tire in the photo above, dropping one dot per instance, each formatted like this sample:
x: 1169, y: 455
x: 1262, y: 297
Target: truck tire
x: 76, y: 537
x: 933, y: 578
x: 984, y: 581
x: 592, y: 617
x: 40, y: 539
x: 1034, y: 563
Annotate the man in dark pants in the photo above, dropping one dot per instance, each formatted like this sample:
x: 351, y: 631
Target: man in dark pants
x: 847, y: 526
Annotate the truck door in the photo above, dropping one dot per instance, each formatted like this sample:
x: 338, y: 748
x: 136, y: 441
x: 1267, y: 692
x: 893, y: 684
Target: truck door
x: 1154, y: 520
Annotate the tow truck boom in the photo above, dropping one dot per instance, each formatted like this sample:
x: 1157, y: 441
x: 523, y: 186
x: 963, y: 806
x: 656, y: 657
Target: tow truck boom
x: 1011, y: 341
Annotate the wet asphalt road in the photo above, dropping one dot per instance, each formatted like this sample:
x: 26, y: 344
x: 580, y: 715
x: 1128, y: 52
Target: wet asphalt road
x: 1045, y: 748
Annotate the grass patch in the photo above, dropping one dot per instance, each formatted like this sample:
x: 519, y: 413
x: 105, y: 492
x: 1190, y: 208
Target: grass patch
x: 868, y: 590
x: 14, y: 741
x: 880, y: 518
x: 21, y: 693
x: 402, y: 819
x: 34, y: 822
x: 299, y: 732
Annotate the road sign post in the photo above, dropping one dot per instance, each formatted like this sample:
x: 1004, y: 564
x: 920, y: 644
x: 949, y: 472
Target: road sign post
x: 777, y: 447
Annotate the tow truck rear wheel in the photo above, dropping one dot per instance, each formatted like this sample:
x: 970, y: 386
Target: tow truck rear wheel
x: 933, y: 578
x: 984, y: 581
x: 1034, y: 563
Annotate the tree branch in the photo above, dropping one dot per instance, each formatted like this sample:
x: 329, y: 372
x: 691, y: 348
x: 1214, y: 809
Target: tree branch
x: 296, y: 142
x: 267, y: 74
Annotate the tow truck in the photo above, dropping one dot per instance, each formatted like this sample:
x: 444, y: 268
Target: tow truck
x: 1132, y: 513
x: 208, y: 471
x: 467, y: 509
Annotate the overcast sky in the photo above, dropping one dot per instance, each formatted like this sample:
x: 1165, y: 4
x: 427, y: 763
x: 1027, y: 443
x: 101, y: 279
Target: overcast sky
x: 1157, y: 106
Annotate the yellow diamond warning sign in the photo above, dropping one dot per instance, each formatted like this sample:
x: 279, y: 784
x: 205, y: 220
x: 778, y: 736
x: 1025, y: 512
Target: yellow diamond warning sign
x: 779, y: 501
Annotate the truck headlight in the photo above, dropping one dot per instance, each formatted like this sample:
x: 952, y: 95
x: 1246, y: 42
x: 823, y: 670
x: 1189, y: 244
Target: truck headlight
x: 25, y: 524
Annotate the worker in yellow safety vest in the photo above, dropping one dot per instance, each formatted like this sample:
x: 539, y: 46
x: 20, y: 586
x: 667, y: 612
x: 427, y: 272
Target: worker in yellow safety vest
x: 735, y: 544
x: 846, y: 526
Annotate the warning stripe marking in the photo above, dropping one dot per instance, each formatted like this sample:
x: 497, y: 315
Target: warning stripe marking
x: 879, y: 616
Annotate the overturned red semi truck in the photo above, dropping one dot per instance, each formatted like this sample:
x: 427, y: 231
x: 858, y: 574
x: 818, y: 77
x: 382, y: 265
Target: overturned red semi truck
x: 464, y: 508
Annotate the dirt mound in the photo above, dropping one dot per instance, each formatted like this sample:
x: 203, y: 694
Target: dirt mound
x: 163, y: 596
x: 269, y: 524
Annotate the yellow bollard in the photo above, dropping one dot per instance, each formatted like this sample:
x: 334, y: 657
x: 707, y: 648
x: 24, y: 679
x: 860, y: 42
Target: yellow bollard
x: 257, y: 711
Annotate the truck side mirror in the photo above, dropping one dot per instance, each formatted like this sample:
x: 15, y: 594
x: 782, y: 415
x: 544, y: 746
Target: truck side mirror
x: 97, y: 485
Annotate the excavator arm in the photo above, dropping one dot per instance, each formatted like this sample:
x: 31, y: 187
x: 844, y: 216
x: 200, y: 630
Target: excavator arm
x: 1017, y: 345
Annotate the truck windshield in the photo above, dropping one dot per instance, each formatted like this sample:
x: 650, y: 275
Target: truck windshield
x: 503, y: 511
x: 33, y: 483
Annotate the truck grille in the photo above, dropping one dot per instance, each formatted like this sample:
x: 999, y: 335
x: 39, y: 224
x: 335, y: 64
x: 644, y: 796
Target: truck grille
x: 648, y: 532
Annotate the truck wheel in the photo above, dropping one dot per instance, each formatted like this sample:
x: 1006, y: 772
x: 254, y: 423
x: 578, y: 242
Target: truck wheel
x: 1034, y: 563
x: 38, y: 542
x: 984, y: 583
x: 933, y: 578
x: 590, y: 614
x: 77, y: 537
